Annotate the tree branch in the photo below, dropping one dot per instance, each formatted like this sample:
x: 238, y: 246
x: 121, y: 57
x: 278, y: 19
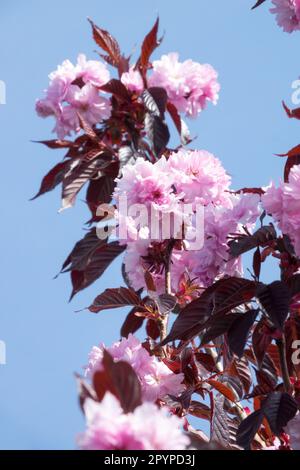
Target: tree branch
x: 163, y: 324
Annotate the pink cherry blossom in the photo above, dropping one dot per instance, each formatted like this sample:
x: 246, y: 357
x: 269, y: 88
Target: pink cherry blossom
x: 198, y: 174
x: 199, y: 178
x: 212, y: 260
x: 73, y: 89
x: 149, y: 196
x: 283, y: 203
x: 287, y: 14
x: 89, y: 71
x: 147, y: 428
x: 146, y: 183
x: 156, y: 378
x: 189, y: 85
x: 87, y: 102
x: 133, y: 80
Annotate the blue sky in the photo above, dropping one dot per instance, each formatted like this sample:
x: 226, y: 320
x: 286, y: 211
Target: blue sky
x: 46, y: 341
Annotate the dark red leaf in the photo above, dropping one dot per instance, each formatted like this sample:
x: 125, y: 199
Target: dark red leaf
x: 261, y: 339
x: 132, y: 323
x: 98, y: 263
x: 180, y: 125
x: 99, y: 192
x: 150, y: 43
x: 83, y: 251
x: 232, y: 292
x: 191, y: 319
x: 120, y: 379
x: 275, y: 298
x: 258, y: 3
x: 117, y: 88
x: 115, y: 298
x: 220, y: 299
x: 257, y: 263
x: 223, y: 389
x: 53, y: 178
x: 219, y: 326
x: 293, y: 159
x: 89, y: 131
x: 76, y: 178
x: 157, y: 133
x: 279, y: 408
x: 175, y: 116
x: 166, y: 303
x: 152, y: 329
x: 219, y: 423
x: 273, y: 355
x: 294, y: 285
x: 57, y: 144
x: 155, y: 100
x: 265, y: 384
x: 200, y: 410
x: 240, y: 368
x: 239, y: 330
x: 150, y: 283
x: 266, y: 378
x: 245, y: 243
x: 108, y: 43
x: 294, y: 152
x: 206, y: 361
x: 291, y: 113
x: 258, y: 191
x: 248, y: 428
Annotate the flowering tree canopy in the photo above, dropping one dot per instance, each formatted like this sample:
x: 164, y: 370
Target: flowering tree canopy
x: 229, y: 355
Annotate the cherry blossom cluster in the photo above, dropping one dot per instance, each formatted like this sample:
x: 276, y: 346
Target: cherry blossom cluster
x: 198, y: 178
x: 73, y: 92
x: 283, y: 203
x: 156, y: 379
x: 189, y: 85
x: 107, y: 425
x: 147, y: 428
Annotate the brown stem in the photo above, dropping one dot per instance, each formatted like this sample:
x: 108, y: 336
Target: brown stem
x: 163, y: 323
x: 283, y: 364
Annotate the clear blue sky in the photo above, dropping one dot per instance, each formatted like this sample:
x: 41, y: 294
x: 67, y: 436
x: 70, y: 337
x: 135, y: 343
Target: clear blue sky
x: 46, y: 341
